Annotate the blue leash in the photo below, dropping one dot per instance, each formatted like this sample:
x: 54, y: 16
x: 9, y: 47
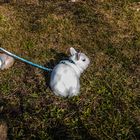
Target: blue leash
x: 26, y: 61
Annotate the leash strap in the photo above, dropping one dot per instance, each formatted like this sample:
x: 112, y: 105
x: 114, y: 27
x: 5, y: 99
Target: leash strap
x: 26, y: 61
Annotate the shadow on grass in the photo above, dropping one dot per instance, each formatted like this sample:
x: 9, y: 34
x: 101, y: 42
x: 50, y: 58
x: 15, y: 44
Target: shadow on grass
x: 81, y: 129
x: 56, y: 129
x: 59, y: 131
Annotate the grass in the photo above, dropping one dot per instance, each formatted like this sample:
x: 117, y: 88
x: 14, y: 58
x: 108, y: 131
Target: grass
x: 108, y: 106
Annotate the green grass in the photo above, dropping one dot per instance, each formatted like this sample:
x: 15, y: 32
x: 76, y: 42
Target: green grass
x: 108, y: 106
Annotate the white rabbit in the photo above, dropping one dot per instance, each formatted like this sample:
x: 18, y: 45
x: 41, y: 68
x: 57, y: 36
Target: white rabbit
x: 6, y: 61
x: 65, y: 77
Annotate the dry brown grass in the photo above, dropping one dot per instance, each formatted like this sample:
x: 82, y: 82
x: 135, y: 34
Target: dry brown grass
x: 3, y: 131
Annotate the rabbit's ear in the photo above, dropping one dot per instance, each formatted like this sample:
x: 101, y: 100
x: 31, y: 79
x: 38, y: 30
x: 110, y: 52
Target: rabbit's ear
x: 0, y: 63
x: 72, y: 51
x: 78, y: 55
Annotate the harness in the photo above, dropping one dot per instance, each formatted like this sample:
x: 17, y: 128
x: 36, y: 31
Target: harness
x: 68, y: 62
x: 64, y: 61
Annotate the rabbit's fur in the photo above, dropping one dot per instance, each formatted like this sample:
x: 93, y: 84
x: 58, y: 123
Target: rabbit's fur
x: 65, y: 77
x: 6, y: 61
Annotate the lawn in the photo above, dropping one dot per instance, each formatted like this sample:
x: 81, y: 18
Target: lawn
x: 42, y: 31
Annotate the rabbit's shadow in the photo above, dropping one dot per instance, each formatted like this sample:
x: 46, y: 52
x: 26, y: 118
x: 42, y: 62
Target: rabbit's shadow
x: 52, y: 63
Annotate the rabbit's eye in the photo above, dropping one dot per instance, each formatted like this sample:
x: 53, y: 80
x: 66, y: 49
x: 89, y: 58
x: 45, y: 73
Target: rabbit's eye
x: 84, y: 60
